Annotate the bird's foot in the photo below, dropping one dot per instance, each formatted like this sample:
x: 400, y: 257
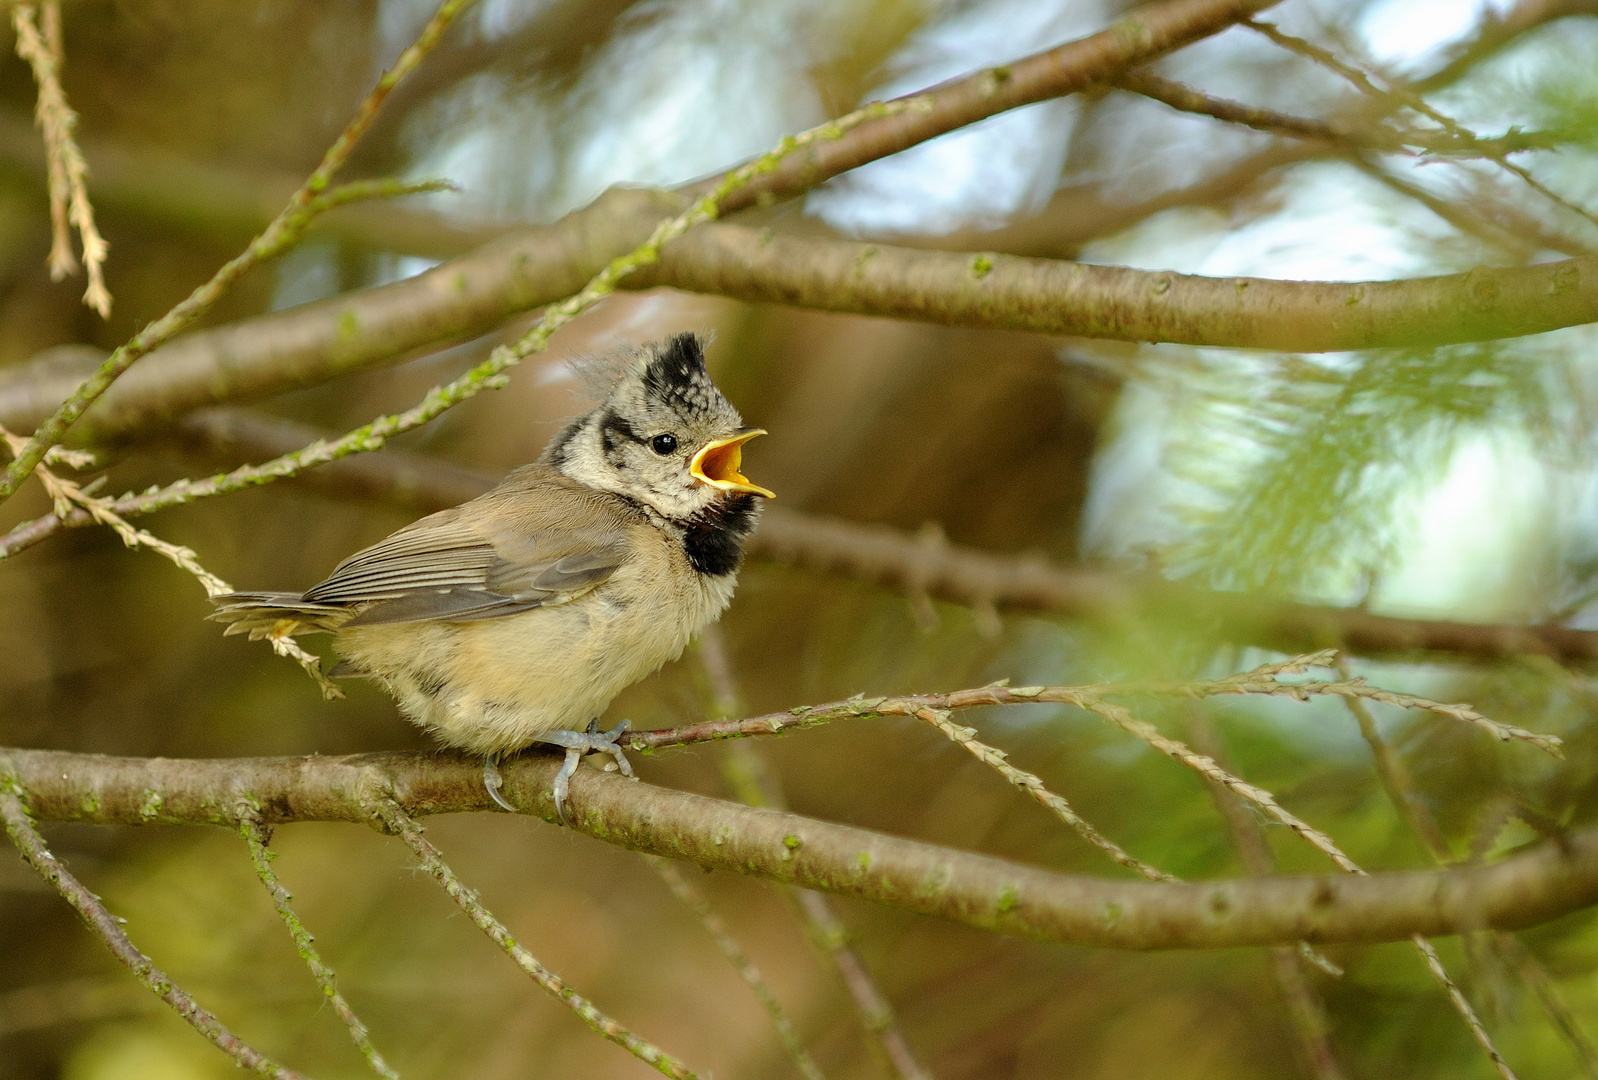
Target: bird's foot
x: 578, y: 743
x: 494, y: 782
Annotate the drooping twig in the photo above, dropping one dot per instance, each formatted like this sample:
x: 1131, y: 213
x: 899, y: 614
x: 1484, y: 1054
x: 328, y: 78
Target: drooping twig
x: 1208, y: 768
x: 1305, y: 1010
x: 313, y: 197
x: 744, y: 769
x: 695, y: 900
x: 71, y: 499
x: 401, y: 825
x: 68, y: 175
x: 1032, y: 785
x: 1399, y: 786
x: 1462, y: 1005
x: 19, y: 826
x: 257, y: 835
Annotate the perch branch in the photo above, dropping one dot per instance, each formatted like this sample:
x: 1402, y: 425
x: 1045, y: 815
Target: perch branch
x: 1526, y: 889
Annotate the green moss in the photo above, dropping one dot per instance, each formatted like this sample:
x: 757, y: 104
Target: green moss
x: 1009, y: 898
x: 981, y: 266
x: 151, y: 806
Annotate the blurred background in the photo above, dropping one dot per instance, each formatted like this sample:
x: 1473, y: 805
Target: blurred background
x: 1454, y: 482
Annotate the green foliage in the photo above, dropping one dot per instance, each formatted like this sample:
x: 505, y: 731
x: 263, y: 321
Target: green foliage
x: 1304, y: 464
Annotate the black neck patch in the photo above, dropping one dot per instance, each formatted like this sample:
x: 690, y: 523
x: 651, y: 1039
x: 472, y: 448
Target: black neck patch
x: 713, y: 541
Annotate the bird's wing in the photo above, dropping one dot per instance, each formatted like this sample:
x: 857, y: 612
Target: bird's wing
x: 459, y: 567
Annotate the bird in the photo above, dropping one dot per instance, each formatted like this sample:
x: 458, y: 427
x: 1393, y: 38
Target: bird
x: 516, y: 618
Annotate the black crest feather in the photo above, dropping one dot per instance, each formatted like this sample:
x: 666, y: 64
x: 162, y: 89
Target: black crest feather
x: 676, y: 374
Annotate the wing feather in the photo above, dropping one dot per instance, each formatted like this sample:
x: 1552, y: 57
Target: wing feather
x: 460, y: 566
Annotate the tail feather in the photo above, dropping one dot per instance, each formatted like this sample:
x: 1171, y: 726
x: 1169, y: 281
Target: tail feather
x: 265, y: 614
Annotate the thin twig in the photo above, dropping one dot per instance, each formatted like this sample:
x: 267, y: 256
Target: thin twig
x: 695, y: 900
x: 1091, y: 698
x: 745, y: 770
x: 19, y: 826
x: 1492, y: 150
x: 307, y: 203
x: 257, y: 835
x: 491, y: 373
x: 70, y: 498
x: 1264, y: 680
x: 401, y: 825
x: 1400, y: 788
x: 1376, y: 137
x: 68, y: 174
x: 1305, y: 1010
x: 1456, y: 997
x: 1033, y: 786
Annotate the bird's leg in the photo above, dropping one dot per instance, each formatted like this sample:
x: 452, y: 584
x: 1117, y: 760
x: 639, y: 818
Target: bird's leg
x: 494, y: 782
x: 578, y: 743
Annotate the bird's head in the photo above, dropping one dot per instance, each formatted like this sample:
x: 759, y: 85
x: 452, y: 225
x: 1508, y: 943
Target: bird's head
x: 663, y: 433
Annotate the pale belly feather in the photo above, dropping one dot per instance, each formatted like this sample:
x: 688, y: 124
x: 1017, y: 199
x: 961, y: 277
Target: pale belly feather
x: 493, y: 686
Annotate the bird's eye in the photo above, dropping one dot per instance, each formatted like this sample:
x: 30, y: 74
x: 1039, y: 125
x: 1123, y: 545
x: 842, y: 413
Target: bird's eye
x: 663, y: 444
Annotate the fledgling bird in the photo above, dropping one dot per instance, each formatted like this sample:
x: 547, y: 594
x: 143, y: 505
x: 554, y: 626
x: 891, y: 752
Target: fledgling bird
x: 517, y: 617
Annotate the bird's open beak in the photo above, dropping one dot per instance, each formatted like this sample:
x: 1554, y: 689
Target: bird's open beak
x: 717, y: 463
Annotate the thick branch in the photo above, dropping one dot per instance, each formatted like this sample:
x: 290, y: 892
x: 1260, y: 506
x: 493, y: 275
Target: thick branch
x: 317, y: 342
x: 1057, y: 297
x: 981, y: 891
x: 473, y: 293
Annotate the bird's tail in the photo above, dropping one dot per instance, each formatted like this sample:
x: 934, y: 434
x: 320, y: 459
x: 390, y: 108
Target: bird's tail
x: 271, y: 614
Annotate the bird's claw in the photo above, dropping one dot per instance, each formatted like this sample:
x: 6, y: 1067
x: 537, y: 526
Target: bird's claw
x: 495, y: 783
x: 578, y: 743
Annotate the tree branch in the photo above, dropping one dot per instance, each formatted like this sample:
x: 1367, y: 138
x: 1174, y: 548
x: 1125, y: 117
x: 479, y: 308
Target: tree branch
x: 896, y: 559
x: 472, y: 294
x: 307, y: 202
x: 1058, y: 297
x: 312, y: 344
x: 105, y: 926
x: 989, y: 893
